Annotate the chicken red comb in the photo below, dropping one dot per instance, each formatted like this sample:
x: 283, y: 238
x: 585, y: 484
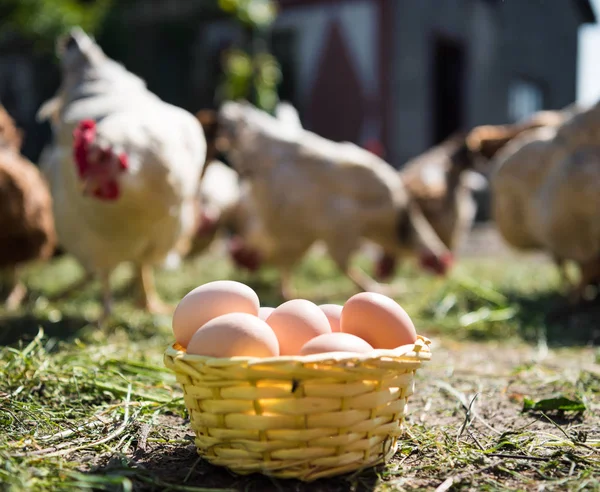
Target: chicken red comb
x: 83, y: 127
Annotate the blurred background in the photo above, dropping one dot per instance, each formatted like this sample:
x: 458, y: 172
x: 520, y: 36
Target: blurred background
x: 396, y: 76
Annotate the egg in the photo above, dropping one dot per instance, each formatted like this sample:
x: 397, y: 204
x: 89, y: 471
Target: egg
x: 379, y: 320
x: 295, y: 322
x: 209, y: 301
x: 334, y: 314
x: 234, y: 335
x: 335, y: 342
x: 265, y: 312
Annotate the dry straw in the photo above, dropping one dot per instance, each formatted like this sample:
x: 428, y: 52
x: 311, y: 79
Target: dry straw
x: 298, y: 417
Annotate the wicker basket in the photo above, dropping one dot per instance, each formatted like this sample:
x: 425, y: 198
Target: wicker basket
x: 298, y: 417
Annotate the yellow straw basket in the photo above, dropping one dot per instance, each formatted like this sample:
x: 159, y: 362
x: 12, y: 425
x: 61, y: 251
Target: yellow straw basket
x: 298, y: 417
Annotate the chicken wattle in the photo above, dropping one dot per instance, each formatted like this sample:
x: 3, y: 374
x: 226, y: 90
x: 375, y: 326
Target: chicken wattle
x: 244, y: 256
x: 98, y: 168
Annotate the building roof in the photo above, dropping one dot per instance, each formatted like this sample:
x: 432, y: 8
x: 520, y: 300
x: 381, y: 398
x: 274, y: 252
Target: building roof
x: 587, y: 11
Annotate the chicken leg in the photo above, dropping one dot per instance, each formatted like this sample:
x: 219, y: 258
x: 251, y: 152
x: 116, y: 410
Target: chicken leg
x: 363, y: 281
x: 149, y: 298
x: 18, y: 291
x: 341, y: 254
x: 367, y: 284
x: 107, y: 300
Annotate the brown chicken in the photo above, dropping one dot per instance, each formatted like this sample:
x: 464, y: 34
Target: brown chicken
x: 487, y: 140
x: 26, y: 221
x: 441, y: 181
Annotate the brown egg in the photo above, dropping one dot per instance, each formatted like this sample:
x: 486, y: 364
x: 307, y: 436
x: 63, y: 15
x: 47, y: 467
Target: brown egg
x: 209, y: 301
x: 234, y: 335
x: 334, y: 314
x: 295, y: 322
x: 335, y: 342
x: 265, y: 312
x: 379, y: 320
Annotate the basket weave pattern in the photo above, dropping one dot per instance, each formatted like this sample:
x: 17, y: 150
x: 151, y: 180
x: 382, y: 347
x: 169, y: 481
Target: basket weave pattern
x: 298, y: 417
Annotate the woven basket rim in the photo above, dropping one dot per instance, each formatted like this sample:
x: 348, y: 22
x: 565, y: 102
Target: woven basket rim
x: 419, y: 351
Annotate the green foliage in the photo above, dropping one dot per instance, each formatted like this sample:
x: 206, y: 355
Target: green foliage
x: 253, y: 13
x: 42, y: 21
x: 254, y: 77
x: 247, y: 77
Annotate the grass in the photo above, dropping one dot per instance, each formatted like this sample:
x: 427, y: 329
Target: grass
x: 89, y: 409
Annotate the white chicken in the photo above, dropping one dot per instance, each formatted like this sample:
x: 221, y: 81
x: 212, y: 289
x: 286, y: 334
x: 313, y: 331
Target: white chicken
x: 304, y: 188
x: 126, y: 182
x: 546, y: 192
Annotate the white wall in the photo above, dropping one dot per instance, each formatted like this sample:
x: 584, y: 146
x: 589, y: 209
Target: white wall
x: 588, y: 73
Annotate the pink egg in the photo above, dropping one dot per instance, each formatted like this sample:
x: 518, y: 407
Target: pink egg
x: 209, y: 301
x: 334, y: 314
x: 234, y: 335
x: 335, y: 342
x: 265, y: 312
x: 295, y: 322
x: 379, y: 320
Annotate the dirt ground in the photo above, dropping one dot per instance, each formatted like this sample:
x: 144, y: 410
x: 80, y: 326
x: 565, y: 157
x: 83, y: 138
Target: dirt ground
x: 481, y: 384
x: 497, y: 376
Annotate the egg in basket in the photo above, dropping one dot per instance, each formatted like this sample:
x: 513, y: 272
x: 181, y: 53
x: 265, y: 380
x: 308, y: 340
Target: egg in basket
x: 300, y: 391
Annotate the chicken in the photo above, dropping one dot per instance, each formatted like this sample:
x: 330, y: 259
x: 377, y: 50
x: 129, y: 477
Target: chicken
x: 26, y: 222
x: 129, y: 165
x: 512, y: 186
x: 441, y: 182
x: 487, y: 140
x: 304, y: 188
x: 546, y: 193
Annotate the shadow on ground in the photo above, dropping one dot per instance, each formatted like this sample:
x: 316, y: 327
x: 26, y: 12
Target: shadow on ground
x: 548, y: 313
x: 24, y: 327
x: 160, y: 470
